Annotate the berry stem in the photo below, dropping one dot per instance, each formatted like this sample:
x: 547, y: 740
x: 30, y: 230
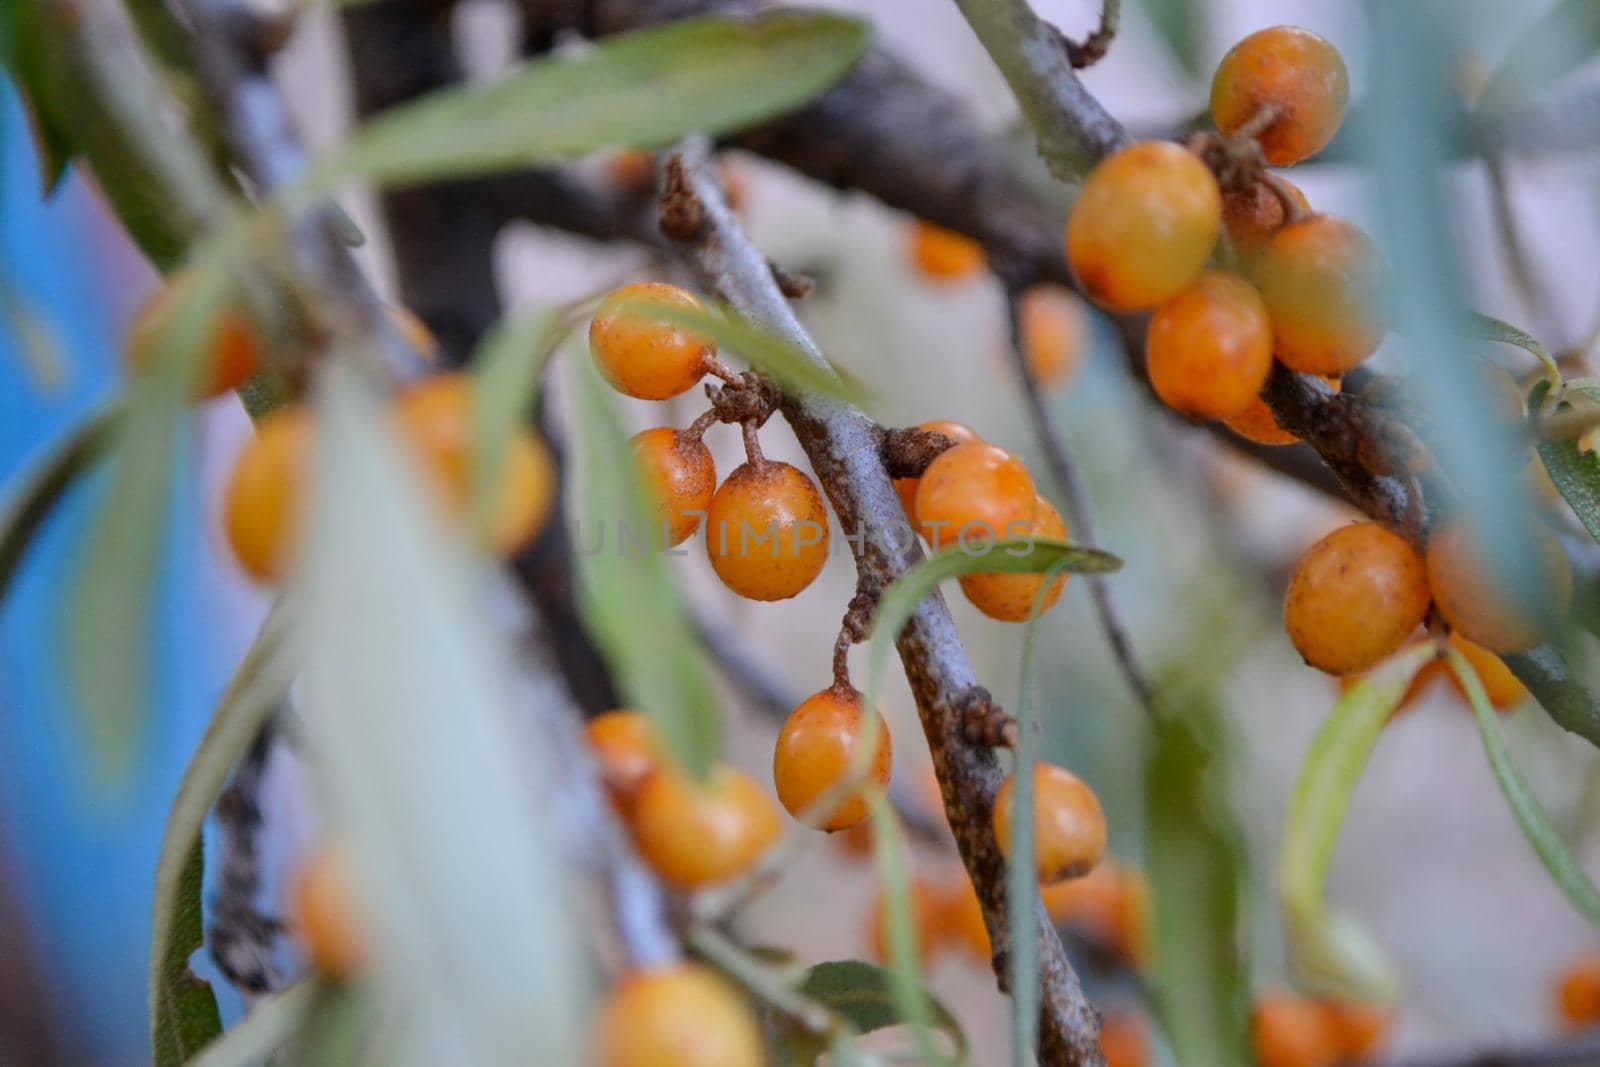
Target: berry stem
x: 762, y: 981
x: 752, y: 443
x: 697, y: 429
x: 718, y: 369
x: 841, y: 658
x: 1292, y: 211
x: 1264, y: 117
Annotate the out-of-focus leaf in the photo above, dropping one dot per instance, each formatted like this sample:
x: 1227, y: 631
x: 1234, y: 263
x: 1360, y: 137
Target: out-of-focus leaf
x: 708, y: 74
x: 337, y: 1031
x: 430, y: 784
x: 630, y: 602
x: 34, y: 340
x: 1488, y: 328
x: 20, y: 51
x: 1560, y: 41
x: 1552, y: 851
x: 162, y: 34
x: 183, y: 1012
x: 1328, y: 952
x: 1194, y: 857
x: 1181, y: 24
x: 863, y: 994
x: 268, y: 1027
x: 1567, y: 700
x: 1576, y: 475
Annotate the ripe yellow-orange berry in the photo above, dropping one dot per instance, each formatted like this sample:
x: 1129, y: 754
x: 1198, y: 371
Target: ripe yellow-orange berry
x: 262, y: 503
x: 1051, y: 320
x: 815, y: 749
x: 1253, y: 213
x: 924, y: 901
x: 625, y: 750
x: 1578, y: 992
x: 1322, y: 281
x: 643, y: 356
x: 326, y: 915
x: 1123, y: 1040
x: 1355, y: 597
x: 943, y: 254
x: 1482, y: 605
x: 1143, y: 225
x: 974, y: 493
x: 1296, y: 76
x: 1291, y: 1031
x: 698, y: 833
x: 631, y: 169
x: 232, y: 350
x: 1069, y: 829
x: 1257, y: 423
x: 1505, y: 690
x: 958, y: 432
x: 435, y: 418
x: 684, y: 1015
x: 960, y: 920
x: 767, y: 531
x: 679, y: 478
x: 1110, y: 906
x: 1358, y: 1029
x: 1210, y: 347
x: 1009, y: 597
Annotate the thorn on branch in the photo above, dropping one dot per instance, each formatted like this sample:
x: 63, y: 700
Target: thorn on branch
x: 984, y: 722
x: 792, y: 285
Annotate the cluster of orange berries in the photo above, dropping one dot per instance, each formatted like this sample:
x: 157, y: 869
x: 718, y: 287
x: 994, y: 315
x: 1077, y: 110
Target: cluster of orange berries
x: 1299, y: 287
x: 1294, y: 1031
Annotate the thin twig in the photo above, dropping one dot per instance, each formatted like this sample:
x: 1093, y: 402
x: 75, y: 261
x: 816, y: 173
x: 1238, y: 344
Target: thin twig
x: 1092, y: 49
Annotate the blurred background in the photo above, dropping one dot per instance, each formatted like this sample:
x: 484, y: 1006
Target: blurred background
x: 1430, y: 857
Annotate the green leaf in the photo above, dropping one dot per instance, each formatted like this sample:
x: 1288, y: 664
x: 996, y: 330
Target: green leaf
x: 21, y: 50
x: 1576, y: 475
x: 268, y: 1027
x: 1181, y: 24
x: 1536, y: 826
x: 35, y: 341
x: 1563, y: 696
x: 1329, y: 953
x: 630, y: 601
x: 648, y: 87
x: 864, y: 994
x: 1560, y: 41
x: 1486, y: 328
x: 183, y: 1012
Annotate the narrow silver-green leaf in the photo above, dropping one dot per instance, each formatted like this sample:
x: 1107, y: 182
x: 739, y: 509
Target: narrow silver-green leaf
x: 1547, y: 843
x: 906, y: 985
x: 864, y: 995
x: 1561, y: 40
x: 1576, y: 475
x: 269, y: 1026
x: 1487, y: 328
x: 708, y: 74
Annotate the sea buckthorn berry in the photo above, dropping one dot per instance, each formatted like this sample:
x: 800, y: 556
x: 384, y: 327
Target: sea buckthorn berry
x: 262, y: 505
x: 435, y: 418
x: 1123, y: 1041
x: 625, y: 749
x: 1009, y: 597
x: 1110, y: 906
x: 926, y: 929
x: 958, y: 432
x: 700, y: 833
x: 1143, y: 225
x: 1253, y: 213
x: 767, y: 531
x: 1480, y: 604
x: 684, y: 1015
x: 1322, y: 278
x: 326, y: 915
x: 679, y: 477
x: 1504, y: 689
x: 631, y: 169
x: 960, y: 920
x: 1052, y: 324
x: 1296, y: 75
x: 232, y: 350
x: 1069, y: 828
x: 1358, y: 1029
x: 645, y: 357
x: 944, y: 254
x: 1257, y: 423
x: 1291, y: 1031
x: 974, y: 493
x: 1210, y: 347
x: 815, y: 749
x: 1578, y: 992
x: 1355, y: 597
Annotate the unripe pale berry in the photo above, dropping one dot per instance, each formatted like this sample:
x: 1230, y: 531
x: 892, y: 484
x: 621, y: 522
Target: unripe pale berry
x: 684, y: 1015
x: 1355, y: 597
x: 767, y: 531
x: 942, y: 254
x: 645, y: 357
x: 625, y: 749
x: 1009, y: 597
x: 973, y: 493
x: 1069, y: 827
x: 1293, y: 72
x: 232, y: 350
x: 679, y: 478
x: 1209, y: 348
x: 698, y: 833
x: 262, y: 502
x: 1143, y: 225
x: 960, y: 433
x: 1482, y: 605
x: 325, y: 913
x: 1322, y: 282
x: 815, y: 749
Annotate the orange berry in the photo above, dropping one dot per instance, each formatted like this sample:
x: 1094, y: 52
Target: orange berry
x: 645, y: 357
x: 1578, y: 992
x: 767, y: 531
x: 1257, y: 423
x: 974, y: 492
x: 1069, y: 829
x: 698, y: 833
x: 233, y: 352
x: 1254, y: 213
x: 960, y: 920
x: 857, y: 841
x: 1130, y: 921
x: 1123, y: 1040
x: 1009, y: 597
x: 326, y: 915
x: 1505, y: 689
x: 944, y: 254
x: 1293, y: 72
x: 1088, y: 903
x: 631, y: 169
x: 815, y: 748
x: 1479, y: 604
x: 1322, y: 278
x: 262, y: 503
x: 679, y: 478
x: 624, y: 746
x: 1355, y: 597
x: 683, y: 1015
x: 435, y: 418
x: 1143, y: 225
x: 1052, y: 324
x: 1358, y: 1029
x: 958, y: 432
x: 924, y: 901
x: 1210, y: 347
x: 1291, y: 1031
